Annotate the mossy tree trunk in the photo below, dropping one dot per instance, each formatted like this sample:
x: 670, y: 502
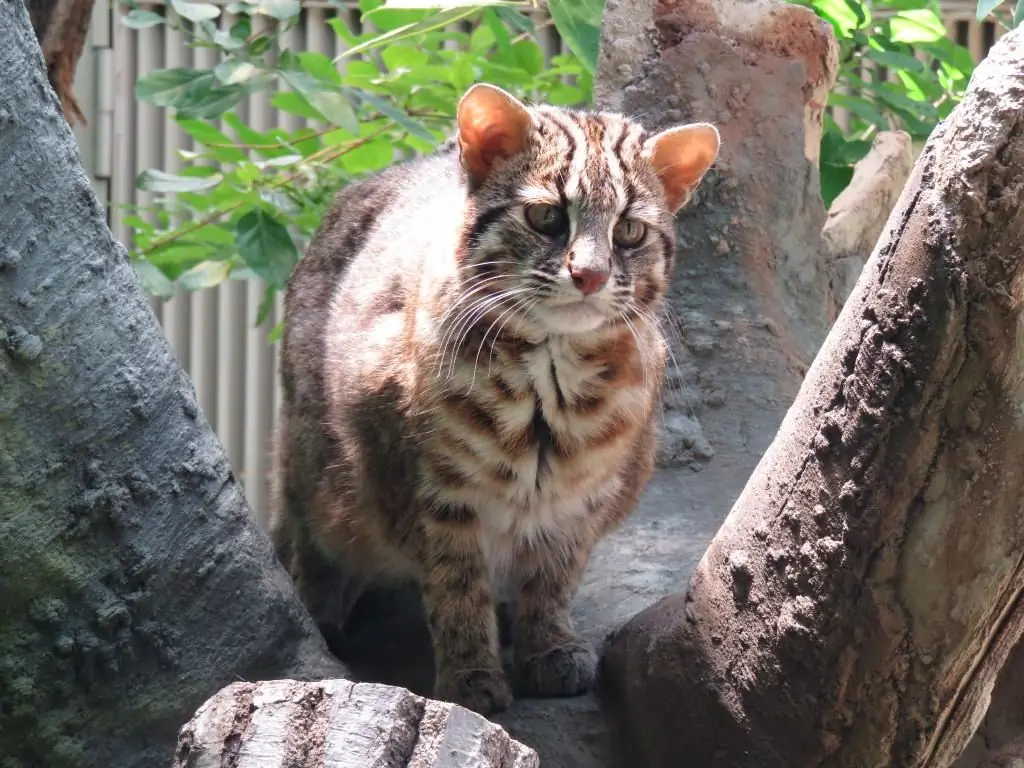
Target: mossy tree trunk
x: 134, y: 581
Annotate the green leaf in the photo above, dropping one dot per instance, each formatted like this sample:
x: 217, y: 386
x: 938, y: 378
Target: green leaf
x: 893, y: 60
x: 517, y: 20
x: 195, y: 11
x: 153, y: 180
x: 266, y: 247
x: 1018, y: 13
x: 193, y: 92
x: 834, y: 179
x: 837, y: 13
x: 415, y: 29
x: 918, y: 26
x: 266, y: 305
x: 421, y: 4
x: 164, y: 87
x: 370, y: 157
x: 228, y: 40
x: 139, y: 19
x: 529, y: 56
x: 208, y: 136
x: 319, y: 66
x: 153, y: 280
x: 860, y: 107
x: 499, y: 29
x: 399, y: 56
x: 985, y: 7
x: 279, y: 9
x: 407, y: 123
x: 579, y: 24
x: 233, y: 71
x: 329, y: 102
x: 206, y: 274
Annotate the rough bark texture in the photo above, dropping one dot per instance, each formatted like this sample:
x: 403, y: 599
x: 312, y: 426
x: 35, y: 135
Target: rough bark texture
x: 858, y: 214
x: 863, y: 593
x: 61, y: 27
x: 341, y: 724
x: 134, y: 581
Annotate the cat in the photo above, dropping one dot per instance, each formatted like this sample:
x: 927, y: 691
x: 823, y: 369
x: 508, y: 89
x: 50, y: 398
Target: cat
x: 471, y: 363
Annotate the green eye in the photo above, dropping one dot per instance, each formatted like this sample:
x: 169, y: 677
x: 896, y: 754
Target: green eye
x: 629, y: 233
x: 547, y: 219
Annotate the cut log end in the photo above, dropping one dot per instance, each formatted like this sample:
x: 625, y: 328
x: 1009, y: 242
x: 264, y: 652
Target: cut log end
x: 341, y: 724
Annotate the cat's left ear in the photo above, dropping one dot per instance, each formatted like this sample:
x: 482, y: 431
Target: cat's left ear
x: 681, y: 156
x: 492, y: 125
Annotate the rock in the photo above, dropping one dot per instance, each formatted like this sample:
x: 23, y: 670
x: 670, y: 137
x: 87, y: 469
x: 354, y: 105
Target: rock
x: 341, y: 724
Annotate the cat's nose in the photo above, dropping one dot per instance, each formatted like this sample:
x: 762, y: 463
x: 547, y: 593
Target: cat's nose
x: 588, y: 280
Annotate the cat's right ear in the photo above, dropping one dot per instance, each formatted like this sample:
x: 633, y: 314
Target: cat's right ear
x: 492, y: 125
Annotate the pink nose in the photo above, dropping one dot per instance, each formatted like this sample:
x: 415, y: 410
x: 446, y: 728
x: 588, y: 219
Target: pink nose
x: 588, y: 280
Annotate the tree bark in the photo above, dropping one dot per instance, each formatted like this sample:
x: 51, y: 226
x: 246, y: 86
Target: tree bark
x: 859, y: 600
x: 341, y: 724
x: 61, y: 27
x: 134, y: 580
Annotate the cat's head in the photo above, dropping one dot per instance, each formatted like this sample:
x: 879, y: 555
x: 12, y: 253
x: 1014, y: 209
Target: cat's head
x: 572, y: 211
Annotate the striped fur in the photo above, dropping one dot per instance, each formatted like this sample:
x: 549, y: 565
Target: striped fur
x: 456, y: 410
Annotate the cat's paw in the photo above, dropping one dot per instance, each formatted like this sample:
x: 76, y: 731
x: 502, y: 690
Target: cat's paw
x: 566, y: 670
x: 485, y: 691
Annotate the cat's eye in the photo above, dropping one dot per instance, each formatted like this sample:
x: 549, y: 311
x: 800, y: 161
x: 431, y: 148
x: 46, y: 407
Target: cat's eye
x: 547, y: 219
x: 629, y: 233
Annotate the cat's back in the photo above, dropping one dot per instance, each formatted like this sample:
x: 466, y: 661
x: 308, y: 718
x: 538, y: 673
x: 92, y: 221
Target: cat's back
x: 364, y: 262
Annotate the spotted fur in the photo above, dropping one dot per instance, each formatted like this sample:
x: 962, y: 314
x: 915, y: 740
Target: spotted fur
x: 455, y: 409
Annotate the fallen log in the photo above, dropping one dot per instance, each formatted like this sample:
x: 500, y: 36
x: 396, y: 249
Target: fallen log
x: 341, y: 724
x: 861, y: 597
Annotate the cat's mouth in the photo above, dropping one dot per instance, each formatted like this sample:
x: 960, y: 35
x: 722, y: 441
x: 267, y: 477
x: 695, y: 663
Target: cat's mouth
x: 579, y: 315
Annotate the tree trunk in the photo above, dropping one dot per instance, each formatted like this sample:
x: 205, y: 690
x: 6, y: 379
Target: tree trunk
x: 341, y: 724
x: 61, y: 27
x: 863, y: 593
x: 134, y: 580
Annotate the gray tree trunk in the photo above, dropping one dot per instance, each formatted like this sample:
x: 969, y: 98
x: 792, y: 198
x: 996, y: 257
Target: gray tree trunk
x: 133, y: 580
x: 865, y: 590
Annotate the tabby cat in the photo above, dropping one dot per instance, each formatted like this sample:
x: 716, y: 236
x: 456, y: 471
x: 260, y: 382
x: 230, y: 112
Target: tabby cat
x: 471, y: 364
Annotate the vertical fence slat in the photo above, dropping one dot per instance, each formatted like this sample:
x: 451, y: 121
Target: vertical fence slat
x: 150, y: 147
x: 258, y: 402
x: 122, y: 184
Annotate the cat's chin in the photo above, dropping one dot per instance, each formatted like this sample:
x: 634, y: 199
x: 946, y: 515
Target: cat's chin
x: 576, y: 318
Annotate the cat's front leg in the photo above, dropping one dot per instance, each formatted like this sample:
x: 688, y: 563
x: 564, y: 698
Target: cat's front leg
x: 551, y: 659
x: 458, y: 597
